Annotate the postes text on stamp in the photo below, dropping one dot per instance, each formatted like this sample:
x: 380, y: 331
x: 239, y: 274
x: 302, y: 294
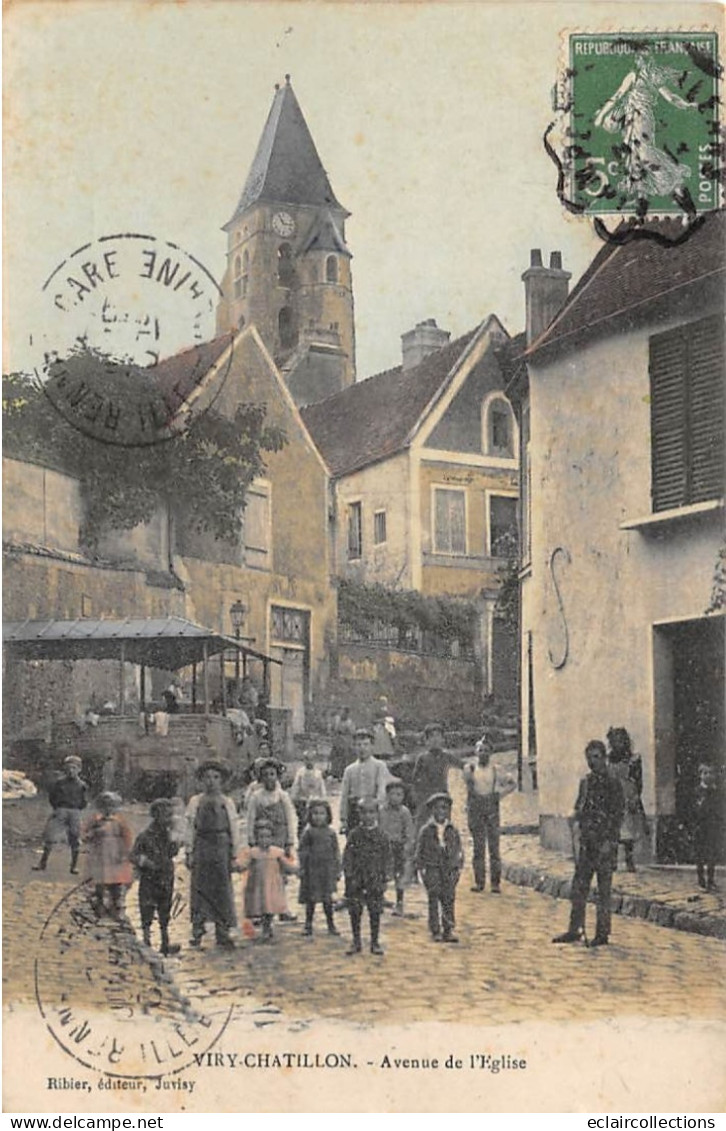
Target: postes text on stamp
x: 641, y: 129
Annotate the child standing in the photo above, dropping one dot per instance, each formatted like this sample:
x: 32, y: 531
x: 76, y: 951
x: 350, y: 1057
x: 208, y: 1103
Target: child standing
x: 439, y: 859
x: 708, y: 823
x: 273, y: 803
x: 308, y: 784
x: 68, y: 797
x: 319, y: 865
x: 153, y: 855
x: 265, y: 891
x: 396, y: 824
x: 109, y: 839
x: 365, y: 863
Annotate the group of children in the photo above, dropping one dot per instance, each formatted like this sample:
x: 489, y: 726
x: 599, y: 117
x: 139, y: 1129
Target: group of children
x: 382, y: 846
x: 380, y: 849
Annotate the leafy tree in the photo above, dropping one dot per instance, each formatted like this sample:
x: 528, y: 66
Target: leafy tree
x: 202, y: 473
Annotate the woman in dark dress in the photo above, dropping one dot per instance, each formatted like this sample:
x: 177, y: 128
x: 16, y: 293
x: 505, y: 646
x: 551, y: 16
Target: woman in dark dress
x: 212, y: 846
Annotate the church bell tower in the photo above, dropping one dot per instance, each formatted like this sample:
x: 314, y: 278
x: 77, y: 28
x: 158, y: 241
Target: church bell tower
x: 288, y: 265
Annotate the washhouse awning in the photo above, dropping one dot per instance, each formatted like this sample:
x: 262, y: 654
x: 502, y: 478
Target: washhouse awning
x: 157, y: 642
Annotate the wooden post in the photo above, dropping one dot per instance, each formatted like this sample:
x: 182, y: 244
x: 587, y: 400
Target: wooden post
x: 142, y: 688
x: 224, y: 682
x: 194, y: 686
x: 121, y: 695
x: 206, y: 678
x: 244, y: 665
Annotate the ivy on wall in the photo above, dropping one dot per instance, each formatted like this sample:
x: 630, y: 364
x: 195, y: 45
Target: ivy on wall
x: 202, y: 474
x: 363, y: 608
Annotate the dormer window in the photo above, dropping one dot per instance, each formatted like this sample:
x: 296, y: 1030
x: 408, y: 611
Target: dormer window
x: 331, y: 269
x: 498, y: 428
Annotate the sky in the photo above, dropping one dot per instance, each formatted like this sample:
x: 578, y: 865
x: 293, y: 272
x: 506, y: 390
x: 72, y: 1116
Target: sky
x: 144, y: 117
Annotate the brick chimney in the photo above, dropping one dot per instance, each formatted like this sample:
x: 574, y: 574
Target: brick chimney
x: 425, y: 338
x: 545, y: 291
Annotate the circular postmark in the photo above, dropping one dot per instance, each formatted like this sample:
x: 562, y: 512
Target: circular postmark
x: 107, y: 1006
x: 126, y: 345
x: 637, y: 133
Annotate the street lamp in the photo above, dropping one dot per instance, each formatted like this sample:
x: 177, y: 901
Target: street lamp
x: 237, y: 615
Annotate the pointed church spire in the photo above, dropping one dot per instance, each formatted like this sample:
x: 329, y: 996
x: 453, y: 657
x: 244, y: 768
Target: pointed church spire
x: 286, y: 168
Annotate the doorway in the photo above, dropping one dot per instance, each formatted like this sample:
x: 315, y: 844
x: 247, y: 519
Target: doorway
x: 290, y: 642
x: 689, y: 716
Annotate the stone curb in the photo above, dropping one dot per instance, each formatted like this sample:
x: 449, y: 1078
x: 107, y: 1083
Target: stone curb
x: 632, y: 906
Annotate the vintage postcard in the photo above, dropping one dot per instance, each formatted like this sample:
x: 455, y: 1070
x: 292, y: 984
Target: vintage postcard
x: 364, y: 580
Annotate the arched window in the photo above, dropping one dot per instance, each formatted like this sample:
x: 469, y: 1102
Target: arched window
x: 245, y: 261
x: 498, y: 428
x: 331, y: 269
x: 287, y: 329
x: 237, y: 276
x: 285, y: 265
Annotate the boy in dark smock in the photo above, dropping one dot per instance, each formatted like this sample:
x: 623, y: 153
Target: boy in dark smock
x: 153, y: 856
x: 212, y: 847
x: 366, y: 865
x: 431, y: 772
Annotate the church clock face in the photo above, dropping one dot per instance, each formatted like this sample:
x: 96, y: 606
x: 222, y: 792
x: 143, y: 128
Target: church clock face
x: 283, y: 224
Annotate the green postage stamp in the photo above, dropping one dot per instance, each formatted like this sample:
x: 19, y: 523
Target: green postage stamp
x: 643, y: 134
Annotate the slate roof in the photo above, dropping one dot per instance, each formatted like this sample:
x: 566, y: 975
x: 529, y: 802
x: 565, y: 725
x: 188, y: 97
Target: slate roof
x: 179, y: 374
x: 374, y: 418
x: 623, y: 278
x: 286, y: 168
x: 325, y: 236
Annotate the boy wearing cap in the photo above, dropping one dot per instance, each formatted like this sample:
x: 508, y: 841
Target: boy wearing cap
x: 364, y: 780
x: 439, y: 859
x: 396, y: 824
x: 431, y: 772
x: 365, y: 864
x: 68, y: 797
x: 153, y: 855
x: 212, y: 846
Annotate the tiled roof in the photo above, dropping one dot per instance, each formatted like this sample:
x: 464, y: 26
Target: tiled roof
x: 286, y: 168
x: 373, y: 419
x: 624, y: 278
x: 179, y: 374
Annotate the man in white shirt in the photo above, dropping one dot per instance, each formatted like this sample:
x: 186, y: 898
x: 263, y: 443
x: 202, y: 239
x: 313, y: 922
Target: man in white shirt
x: 485, y: 785
x: 363, y: 780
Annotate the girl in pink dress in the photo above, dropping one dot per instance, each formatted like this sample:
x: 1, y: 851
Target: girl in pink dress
x: 265, y: 864
x: 109, y: 839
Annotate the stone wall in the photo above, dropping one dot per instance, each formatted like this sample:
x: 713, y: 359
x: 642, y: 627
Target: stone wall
x: 418, y: 687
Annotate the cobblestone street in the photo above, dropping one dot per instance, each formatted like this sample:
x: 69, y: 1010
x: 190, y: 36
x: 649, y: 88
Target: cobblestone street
x: 504, y: 968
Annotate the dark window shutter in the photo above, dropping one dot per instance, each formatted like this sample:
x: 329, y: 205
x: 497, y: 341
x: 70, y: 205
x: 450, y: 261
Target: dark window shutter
x: 668, y: 417
x: 687, y: 414
x: 706, y: 398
